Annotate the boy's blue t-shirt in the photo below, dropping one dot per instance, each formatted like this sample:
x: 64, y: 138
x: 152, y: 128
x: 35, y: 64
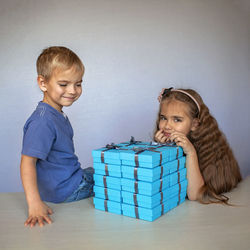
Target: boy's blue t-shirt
x: 48, y: 136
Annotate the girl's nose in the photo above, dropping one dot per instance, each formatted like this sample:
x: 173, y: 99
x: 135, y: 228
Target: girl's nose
x: 167, y: 125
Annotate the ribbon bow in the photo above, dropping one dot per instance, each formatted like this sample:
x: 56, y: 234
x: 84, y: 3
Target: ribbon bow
x: 139, y: 150
x: 133, y: 141
x: 112, y: 146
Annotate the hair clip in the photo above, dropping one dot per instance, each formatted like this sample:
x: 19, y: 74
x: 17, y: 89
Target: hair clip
x: 166, y: 91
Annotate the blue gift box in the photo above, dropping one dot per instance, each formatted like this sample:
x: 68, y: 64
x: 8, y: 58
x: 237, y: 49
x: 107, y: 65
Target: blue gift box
x: 107, y: 169
x: 103, y: 155
x: 139, y: 179
x: 107, y: 181
x: 143, y: 154
x: 151, y: 188
x: 152, y: 214
x: 107, y: 193
x: 107, y: 205
x: 152, y: 174
x: 150, y: 157
x: 155, y: 200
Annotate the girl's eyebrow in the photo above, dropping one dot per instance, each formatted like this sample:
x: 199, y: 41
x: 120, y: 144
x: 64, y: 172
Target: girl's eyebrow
x: 179, y: 117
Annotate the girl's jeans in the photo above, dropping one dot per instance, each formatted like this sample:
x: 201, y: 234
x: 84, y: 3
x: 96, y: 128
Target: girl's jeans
x: 85, y: 188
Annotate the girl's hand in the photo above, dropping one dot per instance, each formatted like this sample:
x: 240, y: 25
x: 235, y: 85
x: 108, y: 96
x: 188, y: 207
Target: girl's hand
x: 38, y: 213
x: 182, y: 141
x: 160, y: 137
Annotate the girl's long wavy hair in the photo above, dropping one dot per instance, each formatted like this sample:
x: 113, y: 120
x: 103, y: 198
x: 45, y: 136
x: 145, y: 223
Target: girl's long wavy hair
x: 217, y: 163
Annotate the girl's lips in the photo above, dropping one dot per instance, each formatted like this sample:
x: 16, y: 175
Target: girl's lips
x: 167, y: 134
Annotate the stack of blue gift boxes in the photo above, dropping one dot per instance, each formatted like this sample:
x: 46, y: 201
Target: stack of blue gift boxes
x: 139, y: 179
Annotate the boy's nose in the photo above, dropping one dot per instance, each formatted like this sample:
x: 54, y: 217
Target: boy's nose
x: 71, y: 89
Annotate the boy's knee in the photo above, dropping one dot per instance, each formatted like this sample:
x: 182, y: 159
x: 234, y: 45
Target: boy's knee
x: 88, y: 174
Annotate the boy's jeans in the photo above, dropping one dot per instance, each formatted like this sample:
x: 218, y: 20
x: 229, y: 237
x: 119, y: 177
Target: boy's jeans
x: 85, y: 188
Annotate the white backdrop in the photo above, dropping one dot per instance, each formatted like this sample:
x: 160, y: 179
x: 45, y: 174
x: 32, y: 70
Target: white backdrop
x: 131, y: 50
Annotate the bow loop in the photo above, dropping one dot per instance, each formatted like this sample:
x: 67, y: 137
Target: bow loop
x: 112, y: 146
x: 139, y: 150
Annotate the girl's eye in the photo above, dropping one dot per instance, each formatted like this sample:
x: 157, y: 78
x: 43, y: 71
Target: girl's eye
x: 79, y: 85
x: 162, y: 117
x: 177, y: 120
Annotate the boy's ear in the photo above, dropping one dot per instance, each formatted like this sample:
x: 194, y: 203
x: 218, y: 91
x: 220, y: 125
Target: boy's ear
x: 195, y: 124
x: 42, y: 83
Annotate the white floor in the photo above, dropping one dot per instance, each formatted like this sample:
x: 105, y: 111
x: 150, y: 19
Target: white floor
x: 79, y: 226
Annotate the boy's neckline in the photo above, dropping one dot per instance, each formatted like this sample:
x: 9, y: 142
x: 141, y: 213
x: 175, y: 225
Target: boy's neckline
x: 53, y: 109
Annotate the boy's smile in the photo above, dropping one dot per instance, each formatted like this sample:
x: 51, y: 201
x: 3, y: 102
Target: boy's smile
x: 63, y: 88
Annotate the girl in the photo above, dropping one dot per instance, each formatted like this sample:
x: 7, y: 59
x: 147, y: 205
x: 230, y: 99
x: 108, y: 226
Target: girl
x: 211, y: 166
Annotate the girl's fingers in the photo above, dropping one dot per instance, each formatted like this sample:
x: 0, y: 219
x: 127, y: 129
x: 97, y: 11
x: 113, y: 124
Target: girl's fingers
x: 157, y: 134
x: 176, y: 136
x: 160, y: 137
x: 163, y: 139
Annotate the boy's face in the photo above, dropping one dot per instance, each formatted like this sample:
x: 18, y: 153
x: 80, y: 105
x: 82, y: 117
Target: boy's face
x: 63, y: 88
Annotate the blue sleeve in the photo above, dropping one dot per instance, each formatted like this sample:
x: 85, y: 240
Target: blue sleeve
x: 38, y: 138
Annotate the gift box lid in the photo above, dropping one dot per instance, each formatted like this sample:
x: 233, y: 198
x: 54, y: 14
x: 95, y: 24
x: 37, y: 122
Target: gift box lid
x: 152, y: 201
x: 151, y: 188
x: 134, y: 152
x: 150, y: 156
x: 107, y: 169
x: 107, y: 181
x: 112, y: 150
x: 154, y: 213
x: 107, y: 193
x: 107, y: 205
x: 152, y: 174
x: 109, y: 153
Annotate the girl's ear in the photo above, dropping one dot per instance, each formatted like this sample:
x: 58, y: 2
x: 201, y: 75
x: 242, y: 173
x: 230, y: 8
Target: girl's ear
x: 42, y: 83
x: 195, y: 124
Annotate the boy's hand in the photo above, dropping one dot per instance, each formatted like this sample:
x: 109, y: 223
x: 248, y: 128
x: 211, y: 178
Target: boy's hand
x: 38, y: 213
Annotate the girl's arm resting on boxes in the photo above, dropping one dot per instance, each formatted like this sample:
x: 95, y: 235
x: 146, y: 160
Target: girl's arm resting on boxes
x: 194, y: 176
x: 38, y: 210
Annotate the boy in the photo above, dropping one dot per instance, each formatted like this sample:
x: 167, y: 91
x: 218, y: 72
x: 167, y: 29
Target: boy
x: 50, y: 170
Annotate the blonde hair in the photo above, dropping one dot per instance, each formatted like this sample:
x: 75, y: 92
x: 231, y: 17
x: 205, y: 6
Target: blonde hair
x: 217, y: 163
x: 57, y: 57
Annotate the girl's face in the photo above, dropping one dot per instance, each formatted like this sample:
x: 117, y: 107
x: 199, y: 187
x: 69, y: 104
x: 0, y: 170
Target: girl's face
x: 175, y: 116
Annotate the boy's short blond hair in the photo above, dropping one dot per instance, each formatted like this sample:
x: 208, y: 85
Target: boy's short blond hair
x: 57, y: 57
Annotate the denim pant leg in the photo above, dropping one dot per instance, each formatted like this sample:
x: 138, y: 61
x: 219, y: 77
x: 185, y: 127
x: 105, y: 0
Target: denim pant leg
x: 85, y: 188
